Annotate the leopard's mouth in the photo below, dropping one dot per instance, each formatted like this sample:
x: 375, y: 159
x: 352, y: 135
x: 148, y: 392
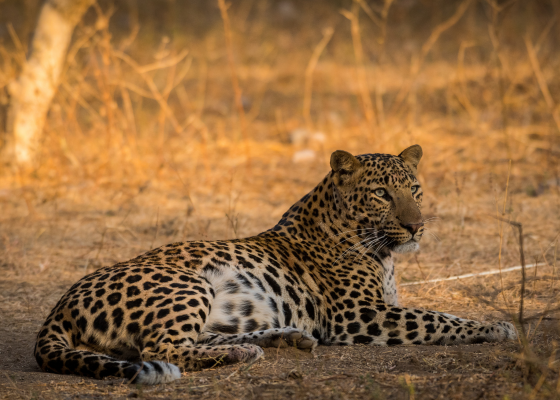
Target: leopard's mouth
x: 395, y: 244
x: 409, y: 246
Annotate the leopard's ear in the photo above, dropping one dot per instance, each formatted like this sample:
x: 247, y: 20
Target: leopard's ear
x: 346, y: 168
x: 411, y: 156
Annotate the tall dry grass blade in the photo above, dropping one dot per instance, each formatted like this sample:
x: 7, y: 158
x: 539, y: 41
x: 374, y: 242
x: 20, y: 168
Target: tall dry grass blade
x: 541, y: 80
x: 504, y: 70
x: 371, y: 14
x: 353, y: 17
x: 379, y: 87
x: 308, y: 85
x: 548, y: 308
x: 135, y: 25
x: 502, y: 235
x: 234, y: 80
x: 420, y: 267
x: 153, y: 89
x: 520, y: 319
x: 381, y: 22
x: 130, y: 118
x: 20, y: 50
x: 102, y: 74
x: 169, y: 84
x: 418, y: 62
x: 463, y: 96
x: 157, y: 231
x: 202, y: 82
x: 545, y: 33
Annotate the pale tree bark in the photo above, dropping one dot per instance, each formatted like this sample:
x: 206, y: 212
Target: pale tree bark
x: 31, y: 94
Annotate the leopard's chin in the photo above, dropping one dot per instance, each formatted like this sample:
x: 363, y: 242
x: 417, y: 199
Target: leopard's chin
x: 407, y: 247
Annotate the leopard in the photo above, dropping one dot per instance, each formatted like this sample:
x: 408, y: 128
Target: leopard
x: 323, y: 275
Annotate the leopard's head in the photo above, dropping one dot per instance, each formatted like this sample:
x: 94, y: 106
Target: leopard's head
x: 380, y: 194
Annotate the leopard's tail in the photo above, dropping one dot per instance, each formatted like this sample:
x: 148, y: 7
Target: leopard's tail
x: 55, y: 352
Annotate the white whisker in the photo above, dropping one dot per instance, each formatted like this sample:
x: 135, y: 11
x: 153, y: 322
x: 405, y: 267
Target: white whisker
x: 369, y: 246
x: 433, y: 235
x: 381, y: 245
x: 351, y: 248
x: 345, y: 240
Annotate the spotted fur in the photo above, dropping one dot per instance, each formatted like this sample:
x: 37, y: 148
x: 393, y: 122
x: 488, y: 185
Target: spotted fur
x: 324, y: 274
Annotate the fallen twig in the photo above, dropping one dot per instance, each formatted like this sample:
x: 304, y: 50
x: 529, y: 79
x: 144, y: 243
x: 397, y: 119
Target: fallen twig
x: 471, y: 275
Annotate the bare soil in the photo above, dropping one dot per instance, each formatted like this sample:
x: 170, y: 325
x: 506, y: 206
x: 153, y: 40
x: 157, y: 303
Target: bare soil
x: 481, y: 371
x: 43, y: 255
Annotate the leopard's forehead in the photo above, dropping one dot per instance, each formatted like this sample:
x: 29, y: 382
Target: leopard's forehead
x: 384, y: 169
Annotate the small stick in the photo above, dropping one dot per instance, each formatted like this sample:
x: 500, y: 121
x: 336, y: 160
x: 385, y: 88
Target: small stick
x: 471, y: 275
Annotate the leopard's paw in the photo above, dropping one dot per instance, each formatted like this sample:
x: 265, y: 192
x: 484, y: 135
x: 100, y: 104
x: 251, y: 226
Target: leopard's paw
x: 288, y: 337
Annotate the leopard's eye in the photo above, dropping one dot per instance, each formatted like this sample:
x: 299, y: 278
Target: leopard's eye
x: 380, y: 192
x: 414, y: 188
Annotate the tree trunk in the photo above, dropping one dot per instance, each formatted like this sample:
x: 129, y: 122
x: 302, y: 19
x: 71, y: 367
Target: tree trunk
x: 31, y: 94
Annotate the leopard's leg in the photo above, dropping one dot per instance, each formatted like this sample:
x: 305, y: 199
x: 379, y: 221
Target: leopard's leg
x: 56, y: 351
x: 284, y: 337
x: 161, y: 322
x: 174, y: 338
x: 201, y: 356
x: 385, y: 325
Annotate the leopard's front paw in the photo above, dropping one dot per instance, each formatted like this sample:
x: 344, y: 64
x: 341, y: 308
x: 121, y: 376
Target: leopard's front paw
x: 288, y: 337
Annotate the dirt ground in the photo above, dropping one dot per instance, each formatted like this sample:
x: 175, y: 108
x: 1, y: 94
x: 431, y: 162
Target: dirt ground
x: 45, y: 253
x: 431, y: 372
x: 481, y: 371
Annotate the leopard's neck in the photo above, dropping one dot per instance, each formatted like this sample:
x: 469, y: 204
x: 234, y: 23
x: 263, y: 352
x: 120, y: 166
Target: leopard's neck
x: 320, y: 217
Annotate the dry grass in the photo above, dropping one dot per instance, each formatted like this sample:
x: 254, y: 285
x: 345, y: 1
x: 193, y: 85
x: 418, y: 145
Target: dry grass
x: 150, y: 141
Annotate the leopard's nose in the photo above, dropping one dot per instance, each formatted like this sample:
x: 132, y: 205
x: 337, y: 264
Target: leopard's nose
x: 413, y: 228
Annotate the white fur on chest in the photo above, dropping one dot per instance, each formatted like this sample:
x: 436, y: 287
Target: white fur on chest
x: 390, y: 295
